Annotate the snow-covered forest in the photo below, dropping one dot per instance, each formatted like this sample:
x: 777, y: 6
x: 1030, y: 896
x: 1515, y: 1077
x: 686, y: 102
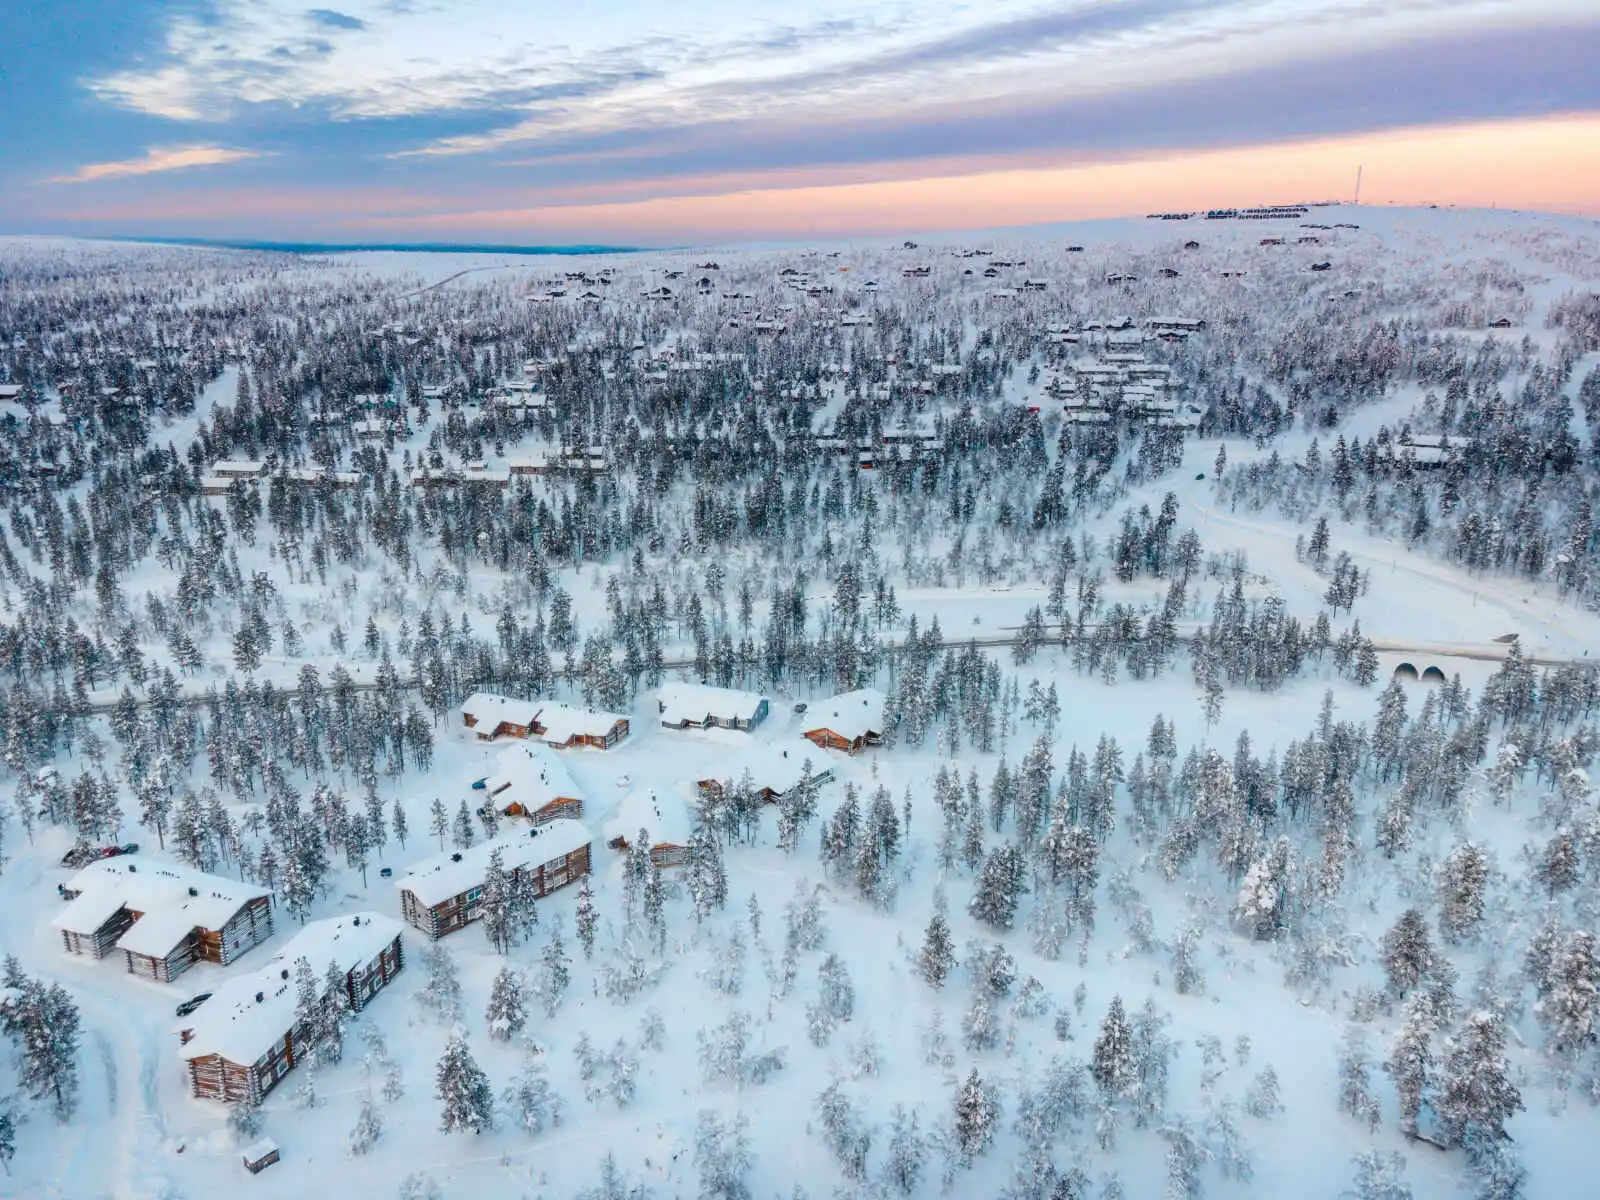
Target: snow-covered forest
x: 1228, y: 587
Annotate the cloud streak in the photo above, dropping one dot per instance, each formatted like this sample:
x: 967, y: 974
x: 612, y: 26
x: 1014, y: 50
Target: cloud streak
x: 157, y: 161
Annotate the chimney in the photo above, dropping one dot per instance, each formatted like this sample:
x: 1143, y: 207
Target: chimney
x: 260, y: 996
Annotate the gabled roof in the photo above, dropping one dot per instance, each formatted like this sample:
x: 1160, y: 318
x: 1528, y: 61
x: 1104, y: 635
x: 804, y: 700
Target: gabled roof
x: 490, y: 710
x: 442, y: 876
x: 695, y: 701
x: 240, y: 1028
x: 532, y: 775
x: 159, y: 891
x: 850, y: 714
x: 664, y: 816
x: 561, y: 722
x: 771, y: 767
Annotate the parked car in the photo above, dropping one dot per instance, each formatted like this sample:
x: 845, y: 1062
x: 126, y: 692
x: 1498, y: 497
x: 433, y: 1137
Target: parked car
x: 80, y: 855
x: 194, y: 1002
x: 130, y: 848
x: 385, y: 872
x: 800, y: 707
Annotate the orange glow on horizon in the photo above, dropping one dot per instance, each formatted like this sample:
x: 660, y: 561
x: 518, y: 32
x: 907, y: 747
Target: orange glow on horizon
x: 1550, y: 164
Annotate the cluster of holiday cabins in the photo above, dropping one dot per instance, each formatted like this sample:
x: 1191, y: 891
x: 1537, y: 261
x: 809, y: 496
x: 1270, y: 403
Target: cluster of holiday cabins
x: 241, y: 1043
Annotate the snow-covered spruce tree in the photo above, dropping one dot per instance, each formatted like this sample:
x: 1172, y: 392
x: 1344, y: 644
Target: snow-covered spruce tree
x: 835, y: 1001
x: 1262, y: 906
x: 8, y: 1139
x: 1410, y: 1061
x: 467, y: 1103
x: 906, y: 1156
x: 42, y: 1022
x: 1113, y: 1065
x: 977, y: 1116
x: 1476, y: 1095
x: 1000, y: 887
x: 441, y: 995
x: 244, y: 1120
x: 554, y: 972
x: 1264, y: 1099
x: 705, y: 876
x: 1569, y: 1003
x: 937, y: 958
x: 1187, y: 1153
x: 496, y: 903
x: 1408, y: 953
x: 1227, y: 1145
x: 722, y: 1156
x: 1463, y: 882
x: 586, y: 919
x: 506, y: 1013
x: 613, y: 1184
x: 1379, y: 1176
x: 368, y: 1128
x: 1356, y: 1096
x: 461, y: 828
x: 844, y: 1132
x: 420, y: 1186
x: 534, y: 1107
x: 1187, y: 978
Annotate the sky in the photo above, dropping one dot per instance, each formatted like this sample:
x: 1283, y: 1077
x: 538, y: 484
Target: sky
x: 643, y: 123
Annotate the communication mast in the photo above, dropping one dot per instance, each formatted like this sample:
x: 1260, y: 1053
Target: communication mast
x: 1357, y: 200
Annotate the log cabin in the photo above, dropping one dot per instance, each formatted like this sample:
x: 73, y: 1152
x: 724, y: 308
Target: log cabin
x: 162, y: 916
x: 560, y: 725
x: 665, y: 821
x: 772, y: 772
x: 850, y: 721
x: 443, y: 894
x: 241, y: 1043
x: 530, y: 781
x: 699, y: 706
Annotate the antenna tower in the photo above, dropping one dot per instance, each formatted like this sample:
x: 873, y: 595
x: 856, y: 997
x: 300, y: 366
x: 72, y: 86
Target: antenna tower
x: 1357, y: 200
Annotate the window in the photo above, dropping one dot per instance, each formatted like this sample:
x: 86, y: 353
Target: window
x: 474, y: 895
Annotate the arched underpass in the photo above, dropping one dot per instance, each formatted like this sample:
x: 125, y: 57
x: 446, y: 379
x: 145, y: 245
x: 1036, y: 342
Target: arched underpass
x: 1429, y: 674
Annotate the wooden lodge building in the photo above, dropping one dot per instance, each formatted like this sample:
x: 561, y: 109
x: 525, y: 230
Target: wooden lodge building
x: 530, y: 781
x: 240, y: 1044
x: 443, y: 894
x: 772, y: 772
x: 162, y: 916
x: 851, y: 721
x: 561, y: 725
x: 699, y: 706
x: 665, y: 821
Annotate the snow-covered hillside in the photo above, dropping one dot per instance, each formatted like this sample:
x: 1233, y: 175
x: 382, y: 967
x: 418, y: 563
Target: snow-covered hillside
x: 1223, y: 826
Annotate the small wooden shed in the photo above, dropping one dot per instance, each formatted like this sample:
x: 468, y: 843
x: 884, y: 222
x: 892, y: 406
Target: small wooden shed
x: 258, y: 1156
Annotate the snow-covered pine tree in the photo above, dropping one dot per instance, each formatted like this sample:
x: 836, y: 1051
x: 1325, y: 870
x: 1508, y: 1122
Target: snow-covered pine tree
x: 1476, y: 1095
x: 1407, y: 953
x: 467, y: 1104
x: 722, y: 1156
x: 977, y: 1116
x: 1000, y: 887
x: 368, y: 1128
x: 554, y: 972
x: 586, y: 919
x: 1410, y: 1062
x: 495, y: 903
x: 1355, y: 1080
x: 937, y: 958
x: 1113, y: 1065
x: 534, y: 1106
x: 844, y: 1132
x: 507, y: 1012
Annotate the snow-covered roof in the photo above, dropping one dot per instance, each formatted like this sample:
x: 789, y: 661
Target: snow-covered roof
x: 159, y: 891
x: 561, y: 722
x: 240, y: 1028
x: 238, y: 466
x: 490, y: 710
x: 849, y: 714
x: 664, y: 816
x: 443, y: 876
x: 695, y: 701
x: 531, y: 775
x: 775, y: 768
